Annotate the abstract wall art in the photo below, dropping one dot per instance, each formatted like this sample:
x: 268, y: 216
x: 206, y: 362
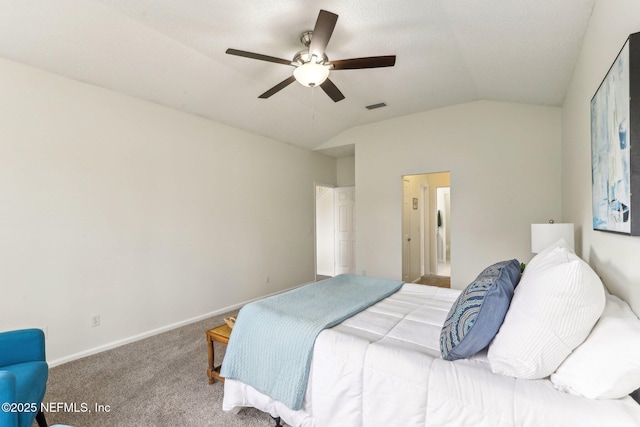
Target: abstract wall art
x: 615, y: 132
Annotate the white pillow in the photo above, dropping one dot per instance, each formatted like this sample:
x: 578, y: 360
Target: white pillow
x: 554, y: 307
x: 607, y: 364
x: 553, y: 254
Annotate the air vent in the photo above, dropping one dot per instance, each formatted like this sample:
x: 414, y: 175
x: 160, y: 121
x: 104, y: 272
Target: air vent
x: 374, y: 106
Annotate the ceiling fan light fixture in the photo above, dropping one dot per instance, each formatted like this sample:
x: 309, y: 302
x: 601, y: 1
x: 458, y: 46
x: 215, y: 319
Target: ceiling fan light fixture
x: 311, y: 64
x: 311, y: 74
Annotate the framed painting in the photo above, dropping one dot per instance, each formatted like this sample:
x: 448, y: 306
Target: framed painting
x: 615, y: 132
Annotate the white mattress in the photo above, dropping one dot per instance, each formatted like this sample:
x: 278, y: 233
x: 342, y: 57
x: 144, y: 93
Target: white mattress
x: 383, y: 367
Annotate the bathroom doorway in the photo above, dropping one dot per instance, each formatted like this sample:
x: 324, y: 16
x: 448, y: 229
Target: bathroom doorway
x: 426, y: 228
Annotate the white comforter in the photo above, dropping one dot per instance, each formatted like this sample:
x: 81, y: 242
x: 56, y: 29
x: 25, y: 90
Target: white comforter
x: 382, y: 367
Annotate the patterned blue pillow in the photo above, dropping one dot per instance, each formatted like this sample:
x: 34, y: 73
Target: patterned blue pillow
x: 476, y: 316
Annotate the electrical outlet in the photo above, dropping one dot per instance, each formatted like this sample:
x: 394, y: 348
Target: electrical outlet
x: 95, y: 320
x: 267, y: 279
x: 364, y: 272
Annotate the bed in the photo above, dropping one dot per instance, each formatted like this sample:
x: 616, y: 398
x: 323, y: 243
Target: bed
x: 384, y: 366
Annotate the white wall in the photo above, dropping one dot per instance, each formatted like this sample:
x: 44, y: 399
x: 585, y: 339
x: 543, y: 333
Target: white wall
x: 504, y: 161
x: 149, y: 217
x: 613, y: 256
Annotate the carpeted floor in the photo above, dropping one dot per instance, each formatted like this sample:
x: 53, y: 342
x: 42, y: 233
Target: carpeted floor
x: 158, y: 381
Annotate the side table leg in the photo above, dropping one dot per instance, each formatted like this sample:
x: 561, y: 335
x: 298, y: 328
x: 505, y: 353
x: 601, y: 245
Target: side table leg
x: 210, y: 370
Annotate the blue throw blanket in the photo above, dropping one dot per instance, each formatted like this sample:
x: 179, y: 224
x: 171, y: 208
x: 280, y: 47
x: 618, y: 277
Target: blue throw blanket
x: 272, y: 341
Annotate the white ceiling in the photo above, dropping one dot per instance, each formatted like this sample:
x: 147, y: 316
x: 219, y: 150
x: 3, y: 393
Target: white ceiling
x: 173, y: 53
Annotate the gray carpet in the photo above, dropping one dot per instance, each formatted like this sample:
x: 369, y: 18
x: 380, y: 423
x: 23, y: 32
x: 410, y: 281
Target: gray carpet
x: 158, y: 381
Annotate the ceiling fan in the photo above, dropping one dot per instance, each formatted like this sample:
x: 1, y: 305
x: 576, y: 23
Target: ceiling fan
x: 311, y: 64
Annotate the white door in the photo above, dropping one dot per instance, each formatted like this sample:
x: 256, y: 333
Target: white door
x: 345, y: 226
x: 411, y: 228
x: 325, y: 231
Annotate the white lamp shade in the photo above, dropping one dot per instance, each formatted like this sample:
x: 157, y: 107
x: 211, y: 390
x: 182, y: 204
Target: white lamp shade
x: 543, y: 235
x: 311, y: 74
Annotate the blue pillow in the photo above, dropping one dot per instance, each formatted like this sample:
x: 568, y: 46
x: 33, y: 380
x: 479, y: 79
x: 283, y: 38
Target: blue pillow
x: 476, y: 316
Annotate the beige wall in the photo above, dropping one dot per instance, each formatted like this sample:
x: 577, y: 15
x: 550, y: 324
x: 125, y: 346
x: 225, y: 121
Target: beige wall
x: 613, y: 256
x: 346, y: 172
x: 149, y: 217
x: 504, y: 161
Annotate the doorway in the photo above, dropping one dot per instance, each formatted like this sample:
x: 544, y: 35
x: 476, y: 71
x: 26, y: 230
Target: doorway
x: 443, y: 208
x: 426, y: 228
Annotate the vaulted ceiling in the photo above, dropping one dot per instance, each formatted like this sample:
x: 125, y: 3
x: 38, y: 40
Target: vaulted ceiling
x: 173, y: 53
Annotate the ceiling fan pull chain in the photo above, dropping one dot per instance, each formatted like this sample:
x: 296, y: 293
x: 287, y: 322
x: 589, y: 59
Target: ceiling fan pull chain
x: 313, y: 110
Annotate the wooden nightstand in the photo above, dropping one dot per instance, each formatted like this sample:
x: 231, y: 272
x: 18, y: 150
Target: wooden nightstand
x: 219, y: 334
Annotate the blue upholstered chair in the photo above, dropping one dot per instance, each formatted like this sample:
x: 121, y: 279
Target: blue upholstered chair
x: 23, y: 377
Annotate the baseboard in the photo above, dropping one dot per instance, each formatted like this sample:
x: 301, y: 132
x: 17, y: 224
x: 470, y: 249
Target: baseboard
x: 138, y: 337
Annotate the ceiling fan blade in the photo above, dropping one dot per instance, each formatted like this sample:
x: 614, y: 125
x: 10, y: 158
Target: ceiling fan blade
x: 322, y: 33
x: 369, y: 62
x: 277, y: 88
x: 332, y: 90
x: 258, y: 56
